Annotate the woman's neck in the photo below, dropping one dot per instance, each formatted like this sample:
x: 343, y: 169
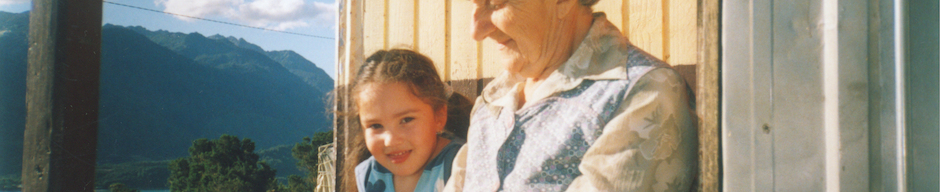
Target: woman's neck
x: 578, y: 26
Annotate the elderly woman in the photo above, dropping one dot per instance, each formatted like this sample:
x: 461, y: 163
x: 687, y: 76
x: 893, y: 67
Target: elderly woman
x: 578, y: 108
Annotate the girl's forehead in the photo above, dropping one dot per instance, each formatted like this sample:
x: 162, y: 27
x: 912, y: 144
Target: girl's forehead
x: 380, y: 101
x: 382, y: 92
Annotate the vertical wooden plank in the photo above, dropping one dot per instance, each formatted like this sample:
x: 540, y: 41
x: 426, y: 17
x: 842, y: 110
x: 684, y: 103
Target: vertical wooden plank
x: 401, y: 24
x: 373, y: 26
x: 490, y: 63
x: 625, y: 18
x: 612, y: 8
x: 432, y: 33
x: 682, y: 34
x: 646, y: 26
x: 707, y: 95
x: 681, y: 37
x: 464, y: 63
x: 62, y: 96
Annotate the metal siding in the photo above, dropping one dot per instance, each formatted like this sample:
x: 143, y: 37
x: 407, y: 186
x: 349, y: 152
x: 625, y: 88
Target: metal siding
x: 795, y: 95
x: 922, y: 127
x: 746, y: 102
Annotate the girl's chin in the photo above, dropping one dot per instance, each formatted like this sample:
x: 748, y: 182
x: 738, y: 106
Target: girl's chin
x: 401, y: 171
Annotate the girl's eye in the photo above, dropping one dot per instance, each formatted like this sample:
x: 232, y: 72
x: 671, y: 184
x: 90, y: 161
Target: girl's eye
x: 407, y: 119
x: 374, y: 126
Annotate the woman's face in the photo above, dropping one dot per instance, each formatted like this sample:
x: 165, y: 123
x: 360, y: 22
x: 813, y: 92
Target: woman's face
x: 400, y: 129
x: 523, y: 30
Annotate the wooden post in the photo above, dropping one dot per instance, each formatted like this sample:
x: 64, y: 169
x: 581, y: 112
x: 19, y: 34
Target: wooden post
x: 708, y: 95
x: 62, y: 95
x: 350, y: 54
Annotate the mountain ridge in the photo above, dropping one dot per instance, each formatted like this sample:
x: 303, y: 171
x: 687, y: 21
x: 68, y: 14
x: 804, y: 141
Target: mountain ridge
x: 158, y: 96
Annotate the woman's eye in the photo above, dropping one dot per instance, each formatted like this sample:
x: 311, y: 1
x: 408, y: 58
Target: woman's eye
x: 374, y: 126
x: 407, y: 119
x: 493, y: 4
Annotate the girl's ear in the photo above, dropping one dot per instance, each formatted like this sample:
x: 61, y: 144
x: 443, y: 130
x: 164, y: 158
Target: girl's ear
x: 441, y: 116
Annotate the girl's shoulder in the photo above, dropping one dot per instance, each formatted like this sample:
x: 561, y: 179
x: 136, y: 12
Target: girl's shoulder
x: 372, y: 176
x: 444, y: 159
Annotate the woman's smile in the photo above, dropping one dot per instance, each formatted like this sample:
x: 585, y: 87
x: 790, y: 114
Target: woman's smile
x: 505, y: 45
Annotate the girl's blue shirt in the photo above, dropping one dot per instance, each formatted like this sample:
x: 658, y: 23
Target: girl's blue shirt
x: 373, y: 177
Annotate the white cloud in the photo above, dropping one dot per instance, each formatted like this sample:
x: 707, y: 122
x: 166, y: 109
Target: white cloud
x: 9, y: 2
x: 276, y: 14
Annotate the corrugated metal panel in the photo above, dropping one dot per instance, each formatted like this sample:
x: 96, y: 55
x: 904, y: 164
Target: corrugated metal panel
x: 837, y: 118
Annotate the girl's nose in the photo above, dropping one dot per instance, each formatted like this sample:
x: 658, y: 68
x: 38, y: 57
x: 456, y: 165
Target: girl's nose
x: 392, y: 138
x: 482, y: 26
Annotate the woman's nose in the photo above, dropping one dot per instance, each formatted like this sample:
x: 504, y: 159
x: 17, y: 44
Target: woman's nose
x: 482, y: 26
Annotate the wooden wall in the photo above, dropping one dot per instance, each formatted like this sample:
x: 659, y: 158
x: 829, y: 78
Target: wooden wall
x: 440, y: 30
x: 681, y: 32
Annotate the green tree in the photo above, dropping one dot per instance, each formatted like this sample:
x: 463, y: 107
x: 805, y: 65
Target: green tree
x: 297, y: 183
x: 10, y: 182
x: 120, y: 187
x: 306, y: 153
x: 226, y: 164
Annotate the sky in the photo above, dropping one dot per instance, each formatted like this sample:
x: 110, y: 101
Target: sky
x: 311, y: 17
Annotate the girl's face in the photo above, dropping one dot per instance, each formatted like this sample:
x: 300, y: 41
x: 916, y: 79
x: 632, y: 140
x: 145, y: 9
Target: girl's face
x: 400, y: 129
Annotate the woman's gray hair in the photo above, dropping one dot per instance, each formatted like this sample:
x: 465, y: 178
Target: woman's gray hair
x: 588, y: 3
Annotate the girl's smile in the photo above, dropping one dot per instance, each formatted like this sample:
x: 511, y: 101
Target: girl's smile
x: 399, y: 156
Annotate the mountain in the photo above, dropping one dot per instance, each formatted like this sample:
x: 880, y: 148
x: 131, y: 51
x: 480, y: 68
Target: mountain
x: 187, y: 86
x: 303, y: 68
x: 296, y: 64
x: 208, y: 51
x: 161, y: 90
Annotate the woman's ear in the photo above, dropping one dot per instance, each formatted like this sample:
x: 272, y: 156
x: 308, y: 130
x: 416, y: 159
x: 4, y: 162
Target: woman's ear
x: 563, y: 7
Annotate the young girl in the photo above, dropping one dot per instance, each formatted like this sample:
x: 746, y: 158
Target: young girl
x: 409, y: 119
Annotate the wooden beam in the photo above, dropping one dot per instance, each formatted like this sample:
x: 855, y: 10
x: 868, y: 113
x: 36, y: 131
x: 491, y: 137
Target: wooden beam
x: 62, y: 95
x: 708, y: 89
x: 350, y: 33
